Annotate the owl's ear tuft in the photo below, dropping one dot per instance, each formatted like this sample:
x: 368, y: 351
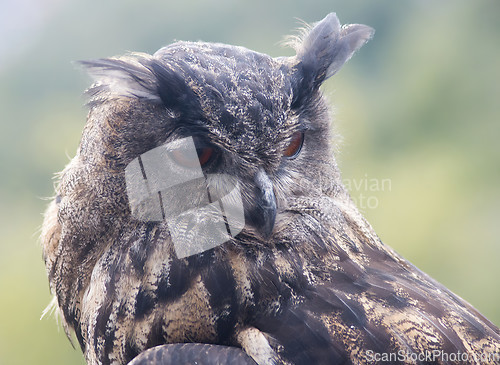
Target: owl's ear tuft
x: 140, y: 76
x: 325, y: 48
x: 125, y: 76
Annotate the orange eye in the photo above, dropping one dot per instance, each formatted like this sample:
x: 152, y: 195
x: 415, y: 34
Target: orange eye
x: 295, y: 145
x: 205, y: 155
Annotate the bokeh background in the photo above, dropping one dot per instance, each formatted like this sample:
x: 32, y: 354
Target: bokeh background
x: 418, y: 108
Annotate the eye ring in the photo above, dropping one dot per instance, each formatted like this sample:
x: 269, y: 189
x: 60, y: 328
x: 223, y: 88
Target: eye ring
x: 295, y: 146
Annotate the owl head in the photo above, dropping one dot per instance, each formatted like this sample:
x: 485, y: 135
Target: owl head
x: 258, y: 121
x: 198, y: 144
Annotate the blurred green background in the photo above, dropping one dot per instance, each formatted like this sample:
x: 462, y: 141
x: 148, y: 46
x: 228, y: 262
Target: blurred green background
x: 418, y: 109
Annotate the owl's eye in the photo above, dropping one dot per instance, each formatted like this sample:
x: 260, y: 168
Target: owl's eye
x: 205, y: 155
x: 295, y: 145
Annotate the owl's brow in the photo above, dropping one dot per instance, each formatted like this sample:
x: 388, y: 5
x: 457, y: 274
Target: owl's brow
x: 303, y: 125
x: 295, y: 123
x: 187, y: 128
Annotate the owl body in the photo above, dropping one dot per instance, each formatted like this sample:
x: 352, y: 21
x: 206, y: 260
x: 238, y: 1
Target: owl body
x: 305, y: 281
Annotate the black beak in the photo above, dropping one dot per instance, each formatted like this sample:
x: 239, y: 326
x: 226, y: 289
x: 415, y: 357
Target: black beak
x: 262, y: 215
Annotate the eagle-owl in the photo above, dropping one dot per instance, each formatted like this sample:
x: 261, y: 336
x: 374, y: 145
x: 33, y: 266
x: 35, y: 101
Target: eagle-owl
x: 284, y: 271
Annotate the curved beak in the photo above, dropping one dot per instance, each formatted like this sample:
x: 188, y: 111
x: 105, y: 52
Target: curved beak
x: 262, y: 215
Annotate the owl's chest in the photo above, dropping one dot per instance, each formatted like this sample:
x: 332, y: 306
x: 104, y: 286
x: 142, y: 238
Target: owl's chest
x: 132, y: 315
